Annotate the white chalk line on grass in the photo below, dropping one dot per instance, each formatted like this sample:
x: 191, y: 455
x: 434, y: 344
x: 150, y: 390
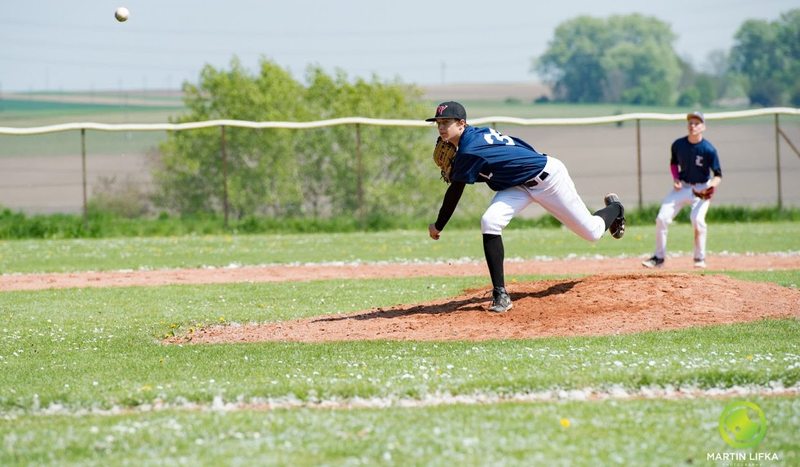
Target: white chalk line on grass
x: 573, y: 257
x: 468, y: 260
x: 615, y: 393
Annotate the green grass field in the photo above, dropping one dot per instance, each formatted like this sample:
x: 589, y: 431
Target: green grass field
x: 85, y: 378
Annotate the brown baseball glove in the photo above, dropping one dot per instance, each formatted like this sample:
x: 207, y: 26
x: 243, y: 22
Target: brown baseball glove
x: 443, y: 154
x: 704, y: 194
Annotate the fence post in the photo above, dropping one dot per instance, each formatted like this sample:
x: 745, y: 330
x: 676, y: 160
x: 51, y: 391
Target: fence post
x: 359, y: 177
x: 639, y: 160
x: 778, y: 160
x: 224, y: 156
x: 83, y: 177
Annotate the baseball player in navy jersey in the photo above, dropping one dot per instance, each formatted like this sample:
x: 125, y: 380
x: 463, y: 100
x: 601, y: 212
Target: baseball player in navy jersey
x: 695, y: 175
x: 519, y: 175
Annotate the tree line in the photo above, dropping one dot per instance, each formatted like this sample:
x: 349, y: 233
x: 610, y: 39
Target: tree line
x: 630, y: 59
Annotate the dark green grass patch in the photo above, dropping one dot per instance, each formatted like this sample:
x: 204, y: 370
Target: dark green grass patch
x: 105, y: 224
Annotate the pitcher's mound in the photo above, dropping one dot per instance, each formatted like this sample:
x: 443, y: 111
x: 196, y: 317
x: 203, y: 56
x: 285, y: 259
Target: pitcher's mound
x: 590, y: 306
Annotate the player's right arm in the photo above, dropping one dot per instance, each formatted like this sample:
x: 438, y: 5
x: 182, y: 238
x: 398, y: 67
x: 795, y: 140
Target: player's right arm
x: 451, y: 198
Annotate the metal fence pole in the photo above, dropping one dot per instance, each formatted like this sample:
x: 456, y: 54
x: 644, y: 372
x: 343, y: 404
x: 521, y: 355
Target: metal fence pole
x: 359, y: 177
x: 778, y: 160
x: 639, y: 160
x: 224, y: 155
x: 83, y: 176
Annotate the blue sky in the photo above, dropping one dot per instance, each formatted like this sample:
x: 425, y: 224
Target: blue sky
x: 63, y: 45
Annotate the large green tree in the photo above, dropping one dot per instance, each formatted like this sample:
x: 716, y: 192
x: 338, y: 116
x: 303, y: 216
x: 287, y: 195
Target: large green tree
x: 767, y: 57
x: 343, y: 170
x: 626, y: 59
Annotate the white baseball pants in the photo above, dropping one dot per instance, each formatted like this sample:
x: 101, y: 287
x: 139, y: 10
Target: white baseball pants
x: 670, y: 207
x: 556, y: 194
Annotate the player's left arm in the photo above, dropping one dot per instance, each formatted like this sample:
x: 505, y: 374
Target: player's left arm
x: 716, y: 169
x: 451, y: 198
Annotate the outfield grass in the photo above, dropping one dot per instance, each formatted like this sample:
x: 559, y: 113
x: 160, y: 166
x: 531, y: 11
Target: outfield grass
x: 223, y: 250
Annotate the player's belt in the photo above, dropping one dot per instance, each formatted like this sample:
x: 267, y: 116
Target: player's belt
x: 537, y: 179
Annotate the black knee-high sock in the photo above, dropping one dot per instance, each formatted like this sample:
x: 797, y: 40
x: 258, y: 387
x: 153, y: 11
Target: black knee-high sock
x: 493, y: 249
x: 609, y: 213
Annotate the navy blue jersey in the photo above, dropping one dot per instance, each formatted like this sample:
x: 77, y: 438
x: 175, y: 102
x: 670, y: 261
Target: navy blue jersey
x: 695, y: 161
x: 484, y: 155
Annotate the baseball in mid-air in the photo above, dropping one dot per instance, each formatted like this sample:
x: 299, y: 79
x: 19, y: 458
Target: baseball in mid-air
x: 122, y: 14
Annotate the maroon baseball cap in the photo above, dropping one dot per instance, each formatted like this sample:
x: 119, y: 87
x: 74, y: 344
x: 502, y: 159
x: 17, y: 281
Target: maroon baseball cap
x: 449, y: 109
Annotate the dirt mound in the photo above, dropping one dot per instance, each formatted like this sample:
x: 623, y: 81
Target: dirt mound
x: 590, y: 306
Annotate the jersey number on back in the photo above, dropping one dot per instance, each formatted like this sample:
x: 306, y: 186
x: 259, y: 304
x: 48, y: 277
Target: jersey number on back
x: 493, y: 136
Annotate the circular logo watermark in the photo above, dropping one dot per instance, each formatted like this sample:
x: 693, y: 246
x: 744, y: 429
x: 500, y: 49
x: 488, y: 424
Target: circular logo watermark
x: 742, y: 424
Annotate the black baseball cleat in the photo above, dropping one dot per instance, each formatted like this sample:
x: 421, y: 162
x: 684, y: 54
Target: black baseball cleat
x: 501, y: 302
x: 617, y: 227
x: 653, y: 262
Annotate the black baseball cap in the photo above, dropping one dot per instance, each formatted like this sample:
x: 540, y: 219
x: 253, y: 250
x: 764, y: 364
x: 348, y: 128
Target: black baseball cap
x: 449, y: 109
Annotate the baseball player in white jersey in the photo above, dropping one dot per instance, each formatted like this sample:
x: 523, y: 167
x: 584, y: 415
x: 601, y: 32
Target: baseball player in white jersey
x: 520, y: 175
x: 693, y: 162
